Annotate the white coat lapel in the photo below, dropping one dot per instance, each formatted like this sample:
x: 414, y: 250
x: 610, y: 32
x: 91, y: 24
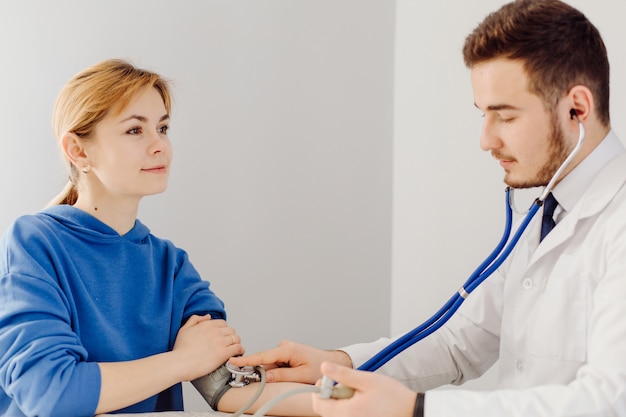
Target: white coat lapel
x: 600, y: 193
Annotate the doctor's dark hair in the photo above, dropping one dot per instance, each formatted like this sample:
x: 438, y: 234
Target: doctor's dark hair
x: 107, y: 87
x: 558, y: 46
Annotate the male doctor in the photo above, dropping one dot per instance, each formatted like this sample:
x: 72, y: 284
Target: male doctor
x: 554, y: 314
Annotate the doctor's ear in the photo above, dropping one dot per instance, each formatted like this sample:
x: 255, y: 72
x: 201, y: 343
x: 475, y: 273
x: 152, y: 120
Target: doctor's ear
x: 582, y: 103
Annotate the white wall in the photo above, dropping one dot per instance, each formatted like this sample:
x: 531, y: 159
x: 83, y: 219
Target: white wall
x: 448, y: 203
x: 282, y: 133
x: 282, y: 127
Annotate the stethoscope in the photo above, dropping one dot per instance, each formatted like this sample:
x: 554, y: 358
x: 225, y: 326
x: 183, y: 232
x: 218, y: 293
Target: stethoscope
x: 491, y: 264
x: 328, y: 388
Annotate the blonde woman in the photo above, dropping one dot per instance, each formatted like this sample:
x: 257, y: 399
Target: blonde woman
x: 96, y: 313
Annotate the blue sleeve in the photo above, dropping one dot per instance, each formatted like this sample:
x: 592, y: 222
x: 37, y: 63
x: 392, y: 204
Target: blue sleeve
x: 43, y: 368
x: 195, y: 292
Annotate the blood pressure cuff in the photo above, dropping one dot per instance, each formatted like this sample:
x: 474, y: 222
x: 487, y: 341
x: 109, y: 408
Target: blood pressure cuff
x: 213, y: 386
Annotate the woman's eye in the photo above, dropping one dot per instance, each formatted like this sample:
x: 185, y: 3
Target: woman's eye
x: 163, y: 129
x: 134, y: 131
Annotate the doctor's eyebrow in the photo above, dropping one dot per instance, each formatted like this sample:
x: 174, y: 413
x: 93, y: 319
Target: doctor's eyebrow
x: 498, y: 107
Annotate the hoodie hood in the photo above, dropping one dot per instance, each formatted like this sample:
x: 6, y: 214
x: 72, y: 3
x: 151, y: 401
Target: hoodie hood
x: 86, y: 224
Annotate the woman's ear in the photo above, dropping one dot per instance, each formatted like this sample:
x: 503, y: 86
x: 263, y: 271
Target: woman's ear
x: 74, y: 150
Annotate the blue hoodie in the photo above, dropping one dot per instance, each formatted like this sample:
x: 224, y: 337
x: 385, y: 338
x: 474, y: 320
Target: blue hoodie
x: 73, y: 292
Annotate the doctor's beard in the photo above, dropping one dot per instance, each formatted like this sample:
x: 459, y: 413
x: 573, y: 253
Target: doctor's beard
x: 557, y: 153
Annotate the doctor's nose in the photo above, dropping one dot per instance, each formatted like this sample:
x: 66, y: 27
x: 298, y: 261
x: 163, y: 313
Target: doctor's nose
x: 489, y: 140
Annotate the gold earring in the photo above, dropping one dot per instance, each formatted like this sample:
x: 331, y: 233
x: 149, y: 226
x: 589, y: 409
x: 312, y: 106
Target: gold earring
x: 86, y: 169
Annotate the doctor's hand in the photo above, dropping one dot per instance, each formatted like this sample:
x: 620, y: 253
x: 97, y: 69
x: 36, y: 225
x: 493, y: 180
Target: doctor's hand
x: 374, y: 395
x: 202, y: 345
x: 293, y: 362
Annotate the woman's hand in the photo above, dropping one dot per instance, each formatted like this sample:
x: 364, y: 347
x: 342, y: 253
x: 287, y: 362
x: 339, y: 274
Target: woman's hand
x: 203, y: 344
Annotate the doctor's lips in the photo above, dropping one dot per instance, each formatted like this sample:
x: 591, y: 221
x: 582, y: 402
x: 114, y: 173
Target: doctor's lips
x: 505, y: 161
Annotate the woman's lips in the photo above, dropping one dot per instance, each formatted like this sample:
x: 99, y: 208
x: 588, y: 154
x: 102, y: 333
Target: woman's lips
x: 156, y: 169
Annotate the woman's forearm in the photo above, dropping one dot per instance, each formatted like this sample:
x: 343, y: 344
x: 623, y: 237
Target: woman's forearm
x: 127, y: 383
x: 298, y: 405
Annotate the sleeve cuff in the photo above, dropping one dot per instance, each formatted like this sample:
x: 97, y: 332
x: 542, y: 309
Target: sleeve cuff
x: 418, y: 411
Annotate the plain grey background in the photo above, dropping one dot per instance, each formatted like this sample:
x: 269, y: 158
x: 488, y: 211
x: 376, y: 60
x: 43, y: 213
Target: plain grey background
x: 327, y: 176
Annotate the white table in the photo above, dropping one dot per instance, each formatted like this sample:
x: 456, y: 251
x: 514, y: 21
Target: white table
x: 175, y: 414
x: 172, y: 414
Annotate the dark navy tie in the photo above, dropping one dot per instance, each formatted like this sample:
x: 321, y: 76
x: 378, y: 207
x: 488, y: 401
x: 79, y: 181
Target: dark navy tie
x: 547, y: 222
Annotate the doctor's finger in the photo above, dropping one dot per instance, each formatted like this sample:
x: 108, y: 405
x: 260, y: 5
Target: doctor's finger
x: 266, y: 357
x: 302, y: 374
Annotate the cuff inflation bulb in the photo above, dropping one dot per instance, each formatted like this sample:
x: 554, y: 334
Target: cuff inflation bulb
x: 330, y: 389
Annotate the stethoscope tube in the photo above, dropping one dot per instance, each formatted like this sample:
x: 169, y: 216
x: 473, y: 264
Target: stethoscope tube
x: 484, y: 270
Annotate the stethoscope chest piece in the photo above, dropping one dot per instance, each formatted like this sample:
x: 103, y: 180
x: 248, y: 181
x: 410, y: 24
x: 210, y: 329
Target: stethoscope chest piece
x: 242, y: 376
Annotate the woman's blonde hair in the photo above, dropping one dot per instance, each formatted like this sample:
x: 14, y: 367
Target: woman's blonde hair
x: 89, y: 96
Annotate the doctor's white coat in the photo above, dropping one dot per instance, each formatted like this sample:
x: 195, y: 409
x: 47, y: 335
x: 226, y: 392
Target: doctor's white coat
x: 554, y: 315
